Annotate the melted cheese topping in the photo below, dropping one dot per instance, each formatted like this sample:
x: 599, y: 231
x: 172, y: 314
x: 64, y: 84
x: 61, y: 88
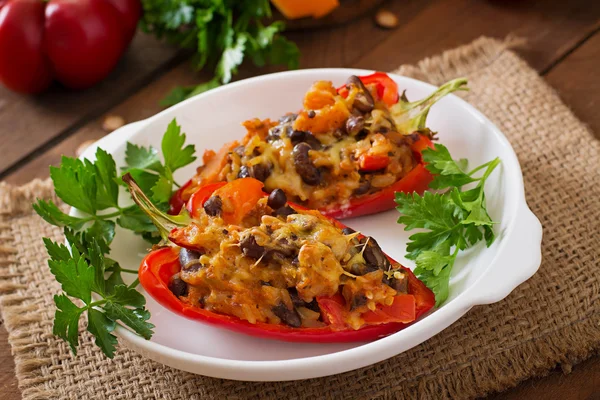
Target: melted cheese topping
x: 303, y: 253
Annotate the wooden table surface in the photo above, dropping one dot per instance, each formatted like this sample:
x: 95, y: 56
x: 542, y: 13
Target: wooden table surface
x: 563, y: 45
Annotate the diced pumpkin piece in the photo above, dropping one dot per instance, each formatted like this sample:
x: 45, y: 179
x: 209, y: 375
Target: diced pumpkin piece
x: 324, y: 7
x: 294, y: 9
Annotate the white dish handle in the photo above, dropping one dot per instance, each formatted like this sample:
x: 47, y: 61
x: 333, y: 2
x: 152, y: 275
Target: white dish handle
x: 515, y: 266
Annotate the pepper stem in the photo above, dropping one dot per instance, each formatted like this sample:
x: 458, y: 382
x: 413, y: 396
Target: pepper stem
x: 162, y: 221
x: 411, y: 116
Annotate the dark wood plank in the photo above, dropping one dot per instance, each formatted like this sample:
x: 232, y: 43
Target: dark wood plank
x: 551, y: 28
x: 28, y: 123
x: 577, y: 80
x: 8, y: 380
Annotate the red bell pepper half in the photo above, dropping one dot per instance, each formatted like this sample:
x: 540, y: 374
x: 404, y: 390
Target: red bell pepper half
x: 159, y: 266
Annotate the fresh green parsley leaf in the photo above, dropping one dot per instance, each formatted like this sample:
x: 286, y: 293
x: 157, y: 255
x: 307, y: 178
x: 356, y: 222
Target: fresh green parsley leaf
x: 447, y: 172
x: 66, y: 321
x: 181, y: 93
x: 102, y: 228
x: 453, y: 219
x: 137, y: 221
x: 75, y: 183
x: 231, y: 59
x: 162, y: 190
x: 143, y: 158
x: 284, y: 52
x: 75, y: 275
x: 439, y: 284
x: 54, y: 216
x: 147, y: 179
x: 106, y: 173
x: 134, y: 319
x: 101, y: 327
x: 176, y: 155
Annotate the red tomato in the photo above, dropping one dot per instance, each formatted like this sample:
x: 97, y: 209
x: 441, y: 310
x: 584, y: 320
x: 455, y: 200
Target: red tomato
x: 78, y: 42
x: 369, y: 162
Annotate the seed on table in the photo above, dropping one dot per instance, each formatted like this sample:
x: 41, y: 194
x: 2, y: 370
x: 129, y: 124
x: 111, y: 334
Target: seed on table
x: 81, y: 148
x: 386, y: 19
x: 112, y: 122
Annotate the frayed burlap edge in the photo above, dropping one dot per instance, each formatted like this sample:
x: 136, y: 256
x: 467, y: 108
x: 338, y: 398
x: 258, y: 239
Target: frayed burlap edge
x: 18, y: 308
x: 563, y: 346
x: 16, y: 200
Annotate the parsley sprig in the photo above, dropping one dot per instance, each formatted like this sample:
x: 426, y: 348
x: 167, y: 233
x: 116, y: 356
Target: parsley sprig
x: 82, y: 267
x: 93, y: 187
x: 453, y: 219
x: 80, y: 275
x: 222, y: 34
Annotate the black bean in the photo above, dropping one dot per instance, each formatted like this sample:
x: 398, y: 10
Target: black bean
x: 277, y: 199
x: 297, y: 136
x: 311, y: 114
x: 354, y: 241
x: 363, y: 187
x: 287, y: 316
x: 363, y: 101
x: 361, y: 135
x: 189, y: 260
x: 274, y: 134
x: 275, y: 256
x: 304, y: 166
x: 178, y: 287
x: 312, y: 141
x: 400, y: 285
x: 348, y: 231
x: 250, y: 248
x: 240, y: 151
x: 288, y: 118
x: 260, y: 172
x: 285, y: 211
x: 244, y: 173
x: 298, y: 302
x: 373, y: 254
x: 339, y: 133
x: 263, y: 283
x: 414, y: 137
x: 354, y: 125
x: 213, y: 205
x: 358, y: 301
x: 286, y: 248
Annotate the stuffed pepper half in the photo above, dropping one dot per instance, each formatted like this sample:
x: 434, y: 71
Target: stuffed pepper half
x: 345, y: 153
x: 251, y: 262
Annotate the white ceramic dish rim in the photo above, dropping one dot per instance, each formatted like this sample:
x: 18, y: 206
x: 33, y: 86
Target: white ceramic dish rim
x: 524, y: 230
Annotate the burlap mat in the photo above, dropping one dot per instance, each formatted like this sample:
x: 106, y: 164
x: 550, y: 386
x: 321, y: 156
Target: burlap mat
x: 551, y: 319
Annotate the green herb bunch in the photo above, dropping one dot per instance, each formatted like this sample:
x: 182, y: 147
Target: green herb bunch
x: 454, y: 219
x: 221, y: 33
x: 82, y: 267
